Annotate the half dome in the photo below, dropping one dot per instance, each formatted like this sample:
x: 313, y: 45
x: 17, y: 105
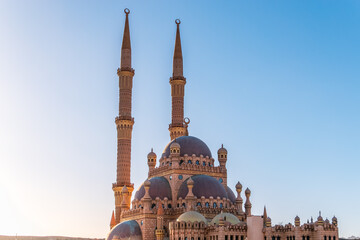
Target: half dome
x: 159, y: 187
x: 189, y: 145
x: 204, y: 185
x: 128, y: 230
x: 228, y: 217
x: 191, y: 216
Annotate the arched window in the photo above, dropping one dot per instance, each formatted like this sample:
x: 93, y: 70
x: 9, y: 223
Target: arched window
x: 153, y: 205
x: 197, y: 162
x: 221, y: 205
x: 169, y: 205
x: 204, y: 163
x: 189, y: 161
x: 207, y: 204
x: 184, y: 205
x: 198, y: 204
x: 214, y: 205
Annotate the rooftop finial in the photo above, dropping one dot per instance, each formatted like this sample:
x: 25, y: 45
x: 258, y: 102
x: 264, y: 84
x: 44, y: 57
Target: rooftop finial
x: 126, y: 11
x: 177, y: 21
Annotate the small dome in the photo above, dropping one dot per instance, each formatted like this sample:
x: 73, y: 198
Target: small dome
x: 189, y: 145
x: 128, y: 230
x: 247, y: 191
x: 191, y: 216
x: 334, y: 219
x: 159, y: 187
x: 151, y: 154
x: 230, y: 194
x: 297, y: 218
x: 222, y: 150
x: 228, y: 217
x: 174, y: 145
x: 204, y: 185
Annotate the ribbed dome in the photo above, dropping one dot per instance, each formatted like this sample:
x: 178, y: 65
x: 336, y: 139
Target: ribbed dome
x: 159, y: 187
x: 228, y: 217
x: 203, y: 186
x: 189, y: 145
x: 191, y: 216
x: 129, y: 230
x: 230, y: 194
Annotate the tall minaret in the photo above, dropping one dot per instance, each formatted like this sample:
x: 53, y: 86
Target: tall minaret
x: 124, y: 124
x: 177, y: 127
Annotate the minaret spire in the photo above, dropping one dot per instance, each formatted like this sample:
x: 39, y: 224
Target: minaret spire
x: 124, y: 125
x: 126, y: 45
x: 178, y: 59
x: 177, y: 127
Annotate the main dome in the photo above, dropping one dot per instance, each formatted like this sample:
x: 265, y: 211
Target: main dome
x: 159, y: 187
x: 189, y: 145
x: 128, y: 230
x: 204, y: 185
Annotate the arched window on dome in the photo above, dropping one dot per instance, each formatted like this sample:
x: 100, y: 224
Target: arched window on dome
x: 207, y: 204
x: 214, y: 205
x: 197, y: 162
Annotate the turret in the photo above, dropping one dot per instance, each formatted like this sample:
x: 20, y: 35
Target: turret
x: 160, y: 232
x: 268, y: 222
x: 112, y: 222
x: 177, y: 127
x: 297, y: 221
x: 248, y: 203
x: 239, y: 200
x: 334, y: 221
x: 147, y: 198
x: 222, y: 156
x: 151, y: 159
x: 124, y: 122
x: 320, y: 220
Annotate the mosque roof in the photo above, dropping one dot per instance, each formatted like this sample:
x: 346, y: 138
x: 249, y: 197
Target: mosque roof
x: 191, y: 216
x: 204, y: 185
x: 128, y: 230
x: 189, y: 145
x: 159, y: 187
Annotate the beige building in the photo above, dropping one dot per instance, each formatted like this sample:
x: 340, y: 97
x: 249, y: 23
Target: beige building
x: 186, y: 196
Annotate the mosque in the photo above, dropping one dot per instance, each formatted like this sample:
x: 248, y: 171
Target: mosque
x: 186, y: 196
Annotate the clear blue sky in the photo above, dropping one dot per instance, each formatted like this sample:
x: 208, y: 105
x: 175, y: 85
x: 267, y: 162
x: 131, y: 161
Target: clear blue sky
x: 276, y: 81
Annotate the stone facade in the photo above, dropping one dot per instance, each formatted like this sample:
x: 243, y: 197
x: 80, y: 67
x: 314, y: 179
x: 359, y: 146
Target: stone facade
x: 186, y: 196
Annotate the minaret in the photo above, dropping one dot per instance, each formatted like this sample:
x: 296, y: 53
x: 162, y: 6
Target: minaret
x: 177, y: 127
x: 124, y: 123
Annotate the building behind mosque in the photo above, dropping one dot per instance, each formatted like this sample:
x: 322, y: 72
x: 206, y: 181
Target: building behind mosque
x: 186, y: 196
